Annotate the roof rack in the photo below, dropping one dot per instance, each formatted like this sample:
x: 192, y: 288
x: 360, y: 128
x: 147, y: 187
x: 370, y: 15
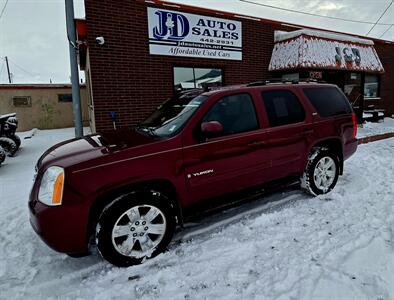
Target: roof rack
x: 284, y: 81
x: 188, y: 93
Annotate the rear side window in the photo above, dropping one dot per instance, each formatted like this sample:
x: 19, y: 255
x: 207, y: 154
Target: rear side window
x: 328, y: 101
x: 283, y: 107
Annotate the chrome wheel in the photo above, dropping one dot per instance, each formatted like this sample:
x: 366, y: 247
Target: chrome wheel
x: 138, y: 231
x: 324, y: 173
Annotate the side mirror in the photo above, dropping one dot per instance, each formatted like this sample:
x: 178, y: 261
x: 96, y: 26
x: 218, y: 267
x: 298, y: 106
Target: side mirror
x: 212, y: 128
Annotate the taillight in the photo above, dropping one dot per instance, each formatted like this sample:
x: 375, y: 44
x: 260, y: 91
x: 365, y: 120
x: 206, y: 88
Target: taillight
x: 354, y: 119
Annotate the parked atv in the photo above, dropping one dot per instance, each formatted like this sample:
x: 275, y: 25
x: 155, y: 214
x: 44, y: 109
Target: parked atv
x: 9, y: 141
x: 2, y: 155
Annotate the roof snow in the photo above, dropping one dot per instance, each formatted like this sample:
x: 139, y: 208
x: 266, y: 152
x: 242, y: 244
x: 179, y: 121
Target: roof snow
x: 283, y: 35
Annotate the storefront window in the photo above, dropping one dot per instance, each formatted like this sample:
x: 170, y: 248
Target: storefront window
x: 190, y: 78
x: 291, y: 76
x: 371, y: 87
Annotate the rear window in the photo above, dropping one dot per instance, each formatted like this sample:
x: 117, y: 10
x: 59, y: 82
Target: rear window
x: 328, y: 101
x: 282, y: 108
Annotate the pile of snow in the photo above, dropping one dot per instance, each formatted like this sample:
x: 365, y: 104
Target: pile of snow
x: 338, y: 246
x: 369, y: 128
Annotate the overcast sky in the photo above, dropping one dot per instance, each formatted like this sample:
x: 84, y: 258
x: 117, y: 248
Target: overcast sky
x: 33, y: 32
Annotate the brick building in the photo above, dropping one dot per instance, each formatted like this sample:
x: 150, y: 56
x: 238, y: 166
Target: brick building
x: 152, y: 49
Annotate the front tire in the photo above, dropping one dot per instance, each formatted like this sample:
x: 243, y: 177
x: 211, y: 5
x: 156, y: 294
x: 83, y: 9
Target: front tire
x: 135, y: 227
x: 321, y: 172
x: 17, y: 140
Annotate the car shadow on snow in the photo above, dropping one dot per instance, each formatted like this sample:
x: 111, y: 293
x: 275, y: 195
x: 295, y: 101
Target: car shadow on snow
x: 208, y: 224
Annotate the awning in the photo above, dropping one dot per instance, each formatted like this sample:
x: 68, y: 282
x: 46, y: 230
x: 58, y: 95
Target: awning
x: 323, y: 50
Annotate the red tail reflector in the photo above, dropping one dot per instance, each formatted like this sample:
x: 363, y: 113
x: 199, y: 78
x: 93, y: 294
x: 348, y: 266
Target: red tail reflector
x: 354, y: 119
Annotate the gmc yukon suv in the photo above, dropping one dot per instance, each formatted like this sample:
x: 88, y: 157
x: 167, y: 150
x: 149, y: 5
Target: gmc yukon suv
x: 127, y: 190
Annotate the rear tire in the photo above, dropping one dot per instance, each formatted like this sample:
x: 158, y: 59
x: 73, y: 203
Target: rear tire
x: 321, y: 172
x: 8, y: 145
x: 2, y: 155
x: 135, y: 227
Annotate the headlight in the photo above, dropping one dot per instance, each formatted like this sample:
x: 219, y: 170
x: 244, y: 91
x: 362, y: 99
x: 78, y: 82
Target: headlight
x: 51, y: 188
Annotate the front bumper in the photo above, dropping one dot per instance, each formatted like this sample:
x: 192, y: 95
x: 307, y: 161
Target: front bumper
x: 63, y: 228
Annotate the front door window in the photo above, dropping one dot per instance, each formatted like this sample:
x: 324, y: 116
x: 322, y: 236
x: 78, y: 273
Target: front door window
x: 235, y: 113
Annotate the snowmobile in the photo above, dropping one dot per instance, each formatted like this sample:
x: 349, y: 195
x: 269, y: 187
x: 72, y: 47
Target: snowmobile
x: 9, y: 141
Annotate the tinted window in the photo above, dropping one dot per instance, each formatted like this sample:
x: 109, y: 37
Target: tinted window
x: 236, y: 113
x: 328, y: 101
x: 282, y: 108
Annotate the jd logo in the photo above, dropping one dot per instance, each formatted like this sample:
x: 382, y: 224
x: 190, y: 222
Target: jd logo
x: 172, y: 26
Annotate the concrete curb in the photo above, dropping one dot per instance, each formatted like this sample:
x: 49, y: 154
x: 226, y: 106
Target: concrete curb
x: 373, y: 138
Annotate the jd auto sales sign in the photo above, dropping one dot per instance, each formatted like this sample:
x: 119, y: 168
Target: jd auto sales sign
x: 181, y: 34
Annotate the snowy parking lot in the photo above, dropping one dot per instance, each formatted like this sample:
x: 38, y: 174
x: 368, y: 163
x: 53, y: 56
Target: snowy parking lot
x: 286, y: 246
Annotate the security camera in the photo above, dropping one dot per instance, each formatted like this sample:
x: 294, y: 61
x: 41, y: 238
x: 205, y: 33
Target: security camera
x: 100, y: 40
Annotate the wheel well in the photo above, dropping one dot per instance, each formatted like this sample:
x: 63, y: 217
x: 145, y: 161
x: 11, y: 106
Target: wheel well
x: 334, y: 145
x: 163, y: 186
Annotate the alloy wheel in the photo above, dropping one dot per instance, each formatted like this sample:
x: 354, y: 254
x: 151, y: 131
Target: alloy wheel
x: 138, y: 231
x: 324, y: 173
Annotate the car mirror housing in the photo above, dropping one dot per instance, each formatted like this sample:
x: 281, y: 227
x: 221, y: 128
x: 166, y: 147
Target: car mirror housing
x: 212, y: 128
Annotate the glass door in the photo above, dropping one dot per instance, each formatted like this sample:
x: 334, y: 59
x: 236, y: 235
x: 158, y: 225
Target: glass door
x: 353, y: 91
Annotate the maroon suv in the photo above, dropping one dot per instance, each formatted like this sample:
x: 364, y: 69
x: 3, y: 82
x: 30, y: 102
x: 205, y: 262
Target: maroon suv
x: 127, y: 190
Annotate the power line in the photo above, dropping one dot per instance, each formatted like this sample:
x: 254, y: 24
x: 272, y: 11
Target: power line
x: 386, y: 31
x: 392, y: 1
x: 21, y: 68
x: 2, y: 11
x: 312, y: 14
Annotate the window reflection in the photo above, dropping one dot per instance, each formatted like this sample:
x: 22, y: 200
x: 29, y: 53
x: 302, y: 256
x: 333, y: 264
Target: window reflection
x: 184, y: 78
x: 208, y: 77
x: 190, y: 78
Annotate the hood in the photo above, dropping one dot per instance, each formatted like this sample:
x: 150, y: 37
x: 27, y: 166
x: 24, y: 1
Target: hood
x: 92, y: 146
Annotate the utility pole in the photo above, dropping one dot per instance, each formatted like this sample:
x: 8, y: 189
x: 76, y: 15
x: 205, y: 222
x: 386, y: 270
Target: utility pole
x: 72, y: 41
x: 8, y: 70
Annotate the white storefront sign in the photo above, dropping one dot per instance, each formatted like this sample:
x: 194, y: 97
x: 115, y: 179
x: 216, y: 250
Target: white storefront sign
x: 181, y: 34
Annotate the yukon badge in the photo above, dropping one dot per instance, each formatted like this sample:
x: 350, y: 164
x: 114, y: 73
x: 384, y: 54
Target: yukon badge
x: 205, y: 172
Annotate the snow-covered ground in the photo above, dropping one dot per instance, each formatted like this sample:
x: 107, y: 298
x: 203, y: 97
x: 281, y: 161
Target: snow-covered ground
x: 337, y: 246
x: 374, y: 128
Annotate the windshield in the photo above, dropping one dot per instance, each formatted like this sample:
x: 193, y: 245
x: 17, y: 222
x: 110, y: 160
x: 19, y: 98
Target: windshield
x: 172, y: 115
